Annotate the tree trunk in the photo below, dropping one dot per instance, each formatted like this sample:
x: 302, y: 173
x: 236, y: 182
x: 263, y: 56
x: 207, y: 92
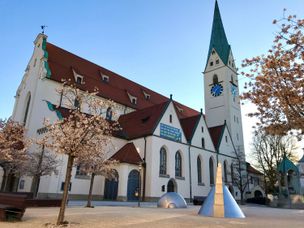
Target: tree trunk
x: 4, y: 180
x: 90, y: 191
x: 65, y: 190
x: 34, y: 186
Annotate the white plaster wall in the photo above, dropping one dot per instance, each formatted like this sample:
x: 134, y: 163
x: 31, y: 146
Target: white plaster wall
x: 198, y: 135
x: 226, y: 147
x: 154, y: 180
x: 175, y: 121
x: 198, y: 189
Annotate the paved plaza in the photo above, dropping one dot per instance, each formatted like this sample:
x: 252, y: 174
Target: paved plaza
x: 129, y: 215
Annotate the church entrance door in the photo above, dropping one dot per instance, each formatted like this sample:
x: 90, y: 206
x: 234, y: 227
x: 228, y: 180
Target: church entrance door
x: 133, y: 185
x: 111, y: 188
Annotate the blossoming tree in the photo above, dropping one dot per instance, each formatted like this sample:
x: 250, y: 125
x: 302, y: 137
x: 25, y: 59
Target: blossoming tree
x: 13, y: 145
x: 83, y: 135
x: 276, y: 84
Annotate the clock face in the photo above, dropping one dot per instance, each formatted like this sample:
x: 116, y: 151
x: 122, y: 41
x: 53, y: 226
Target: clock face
x: 216, y: 90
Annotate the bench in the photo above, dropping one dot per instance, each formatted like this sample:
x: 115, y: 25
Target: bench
x: 12, y: 206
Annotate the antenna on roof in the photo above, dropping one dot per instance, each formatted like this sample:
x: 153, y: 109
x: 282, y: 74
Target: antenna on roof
x: 201, y: 111
x: 43, y: 28
x: 170, y: 96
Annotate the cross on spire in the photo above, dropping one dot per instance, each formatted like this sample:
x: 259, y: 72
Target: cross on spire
x: 43, y: 28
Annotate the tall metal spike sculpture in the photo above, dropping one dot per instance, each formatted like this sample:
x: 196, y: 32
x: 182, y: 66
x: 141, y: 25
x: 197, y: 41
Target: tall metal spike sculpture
x: 219, y: 202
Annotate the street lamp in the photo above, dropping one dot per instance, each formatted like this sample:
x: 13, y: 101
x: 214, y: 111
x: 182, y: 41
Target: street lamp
x: 139, y: 183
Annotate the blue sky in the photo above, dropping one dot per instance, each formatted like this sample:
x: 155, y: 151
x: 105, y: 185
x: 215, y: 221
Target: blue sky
x: 161, y: 44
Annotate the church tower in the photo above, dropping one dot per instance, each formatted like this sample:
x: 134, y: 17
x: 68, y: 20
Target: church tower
x: 222, y: 101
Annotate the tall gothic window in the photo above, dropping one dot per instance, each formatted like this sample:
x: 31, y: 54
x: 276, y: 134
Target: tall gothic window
x: 163, y: 161
x: 211, y: 171
x: 27, y: 108
x: 215, y: 79
x: 199, y: 170
x: 178, y: 164
x: 232, y: 173
x: 225, y: 172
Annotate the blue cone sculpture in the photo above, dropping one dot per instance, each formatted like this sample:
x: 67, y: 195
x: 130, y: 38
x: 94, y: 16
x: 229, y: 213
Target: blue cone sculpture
x: 219, y: 202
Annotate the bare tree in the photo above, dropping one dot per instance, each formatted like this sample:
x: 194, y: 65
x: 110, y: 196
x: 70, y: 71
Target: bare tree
x: 13, y: 145
x: 79, y: 135
x: 98, y: 165
x: 239, y: 172
x: 40, y: 162
x: 268, y: 151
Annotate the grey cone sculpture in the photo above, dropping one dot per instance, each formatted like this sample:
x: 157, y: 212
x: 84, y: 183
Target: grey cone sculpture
x: 219, y: 202
x: 172, y: 200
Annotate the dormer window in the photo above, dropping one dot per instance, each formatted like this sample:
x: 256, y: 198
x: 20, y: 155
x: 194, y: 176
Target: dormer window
x: 147, y: 96
x: 79, y: 80
x: 179, y: 109
x: 105, y: 78
x: 217, y: 61
x: 133, y: 99
x: 211, y: 63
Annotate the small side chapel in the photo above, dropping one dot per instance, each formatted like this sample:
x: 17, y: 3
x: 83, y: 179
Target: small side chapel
x: 165, y: 146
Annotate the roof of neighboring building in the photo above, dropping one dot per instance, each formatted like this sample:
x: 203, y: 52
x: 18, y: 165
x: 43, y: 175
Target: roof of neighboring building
x: 142, y: 122
x: 127, y: 154
x: 285, y: 165
x: 251, y: 169
x: 189, y: 125
x: 218, y: 39
x: 63, y: 64
x: 216, y: 134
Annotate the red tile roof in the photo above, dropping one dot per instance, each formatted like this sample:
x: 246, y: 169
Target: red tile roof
x: 216, y: 134
x: 127, y: 154
x: 62, y: 63
x: 189, y: 125
x: 250, y: 169
x: 142, y: 122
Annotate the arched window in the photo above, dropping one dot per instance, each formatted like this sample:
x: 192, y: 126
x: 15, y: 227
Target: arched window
x: 211, y: 171
x: 215, y: 79
x: 109, y: 114
x: 163, y: 161
x: 27, y: 108
x: 199, y: 170
x: 225, y: 172
x: 232, y: 173
x: 178, y: 164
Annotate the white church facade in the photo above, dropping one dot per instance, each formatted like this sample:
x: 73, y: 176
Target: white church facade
x: 170, y: 146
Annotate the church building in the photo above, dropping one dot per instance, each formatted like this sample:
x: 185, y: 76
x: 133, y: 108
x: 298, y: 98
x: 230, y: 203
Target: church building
x: 168, y: 145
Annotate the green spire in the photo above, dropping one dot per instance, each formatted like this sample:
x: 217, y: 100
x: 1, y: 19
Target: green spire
x: 218, y: 37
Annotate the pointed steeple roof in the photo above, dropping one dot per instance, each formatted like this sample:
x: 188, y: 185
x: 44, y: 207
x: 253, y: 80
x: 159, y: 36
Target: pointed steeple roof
x: 218, y: 39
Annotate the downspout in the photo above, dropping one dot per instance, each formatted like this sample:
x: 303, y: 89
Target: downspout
x: 190, y: 176
x: 144, y: 167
